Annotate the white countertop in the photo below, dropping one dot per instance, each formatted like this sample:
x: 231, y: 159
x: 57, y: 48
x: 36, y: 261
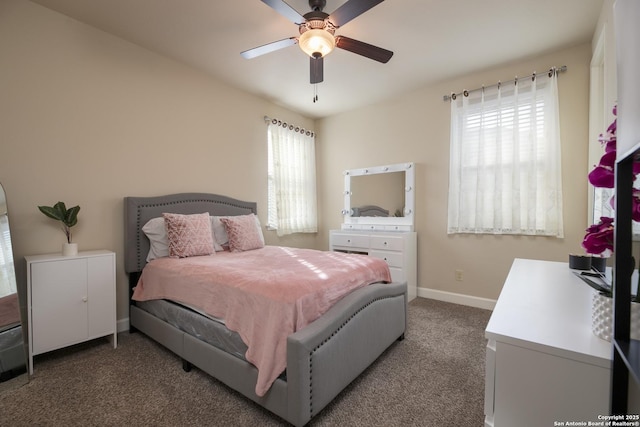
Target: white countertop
x: 543, y: 306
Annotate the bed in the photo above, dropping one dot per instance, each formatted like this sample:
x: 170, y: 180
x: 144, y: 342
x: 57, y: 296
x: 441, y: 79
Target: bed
x: 321, y: 359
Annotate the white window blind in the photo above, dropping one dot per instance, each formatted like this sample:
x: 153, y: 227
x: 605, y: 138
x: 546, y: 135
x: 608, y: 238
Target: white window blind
x: 505, y: 164
x: 291, y: 179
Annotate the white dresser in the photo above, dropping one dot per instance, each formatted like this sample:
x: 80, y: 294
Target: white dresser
x: 398, y: 249
x: 70, y: 299
x: 544, y: 364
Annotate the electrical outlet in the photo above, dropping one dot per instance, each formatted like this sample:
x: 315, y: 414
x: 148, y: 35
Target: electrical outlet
x: 459, y: 275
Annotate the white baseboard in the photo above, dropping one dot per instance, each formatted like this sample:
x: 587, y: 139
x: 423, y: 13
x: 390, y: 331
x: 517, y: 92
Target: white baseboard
x: 123, y: 325
x: 485, y: 303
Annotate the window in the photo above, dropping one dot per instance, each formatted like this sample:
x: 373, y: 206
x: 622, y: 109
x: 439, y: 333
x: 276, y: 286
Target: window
x: 291, y: 179
x: 505, y: 175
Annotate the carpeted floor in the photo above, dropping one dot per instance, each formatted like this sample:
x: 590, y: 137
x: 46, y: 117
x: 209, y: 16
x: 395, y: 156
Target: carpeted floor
x: 435, y: 377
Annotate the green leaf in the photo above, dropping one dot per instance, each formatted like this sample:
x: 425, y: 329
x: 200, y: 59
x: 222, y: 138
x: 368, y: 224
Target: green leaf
x: 71, y: 216
x: 59, y: 211
x: 60, y: 207
x: 51, y: 212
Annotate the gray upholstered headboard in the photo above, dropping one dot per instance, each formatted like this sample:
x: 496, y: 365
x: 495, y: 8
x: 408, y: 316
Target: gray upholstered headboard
x: 139, y: 210
x: 370, y: 210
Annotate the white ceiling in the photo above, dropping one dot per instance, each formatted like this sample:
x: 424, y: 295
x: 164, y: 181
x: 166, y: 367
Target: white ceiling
x: 432, y: 40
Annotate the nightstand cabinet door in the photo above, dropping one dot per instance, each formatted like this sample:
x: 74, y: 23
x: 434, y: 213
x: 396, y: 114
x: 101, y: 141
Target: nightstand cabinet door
x: 70, y: 300
x: 58, y: 304
x: 101, y: 296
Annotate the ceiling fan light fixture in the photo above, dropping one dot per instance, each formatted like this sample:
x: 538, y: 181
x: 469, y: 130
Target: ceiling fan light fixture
x: 317, y: 42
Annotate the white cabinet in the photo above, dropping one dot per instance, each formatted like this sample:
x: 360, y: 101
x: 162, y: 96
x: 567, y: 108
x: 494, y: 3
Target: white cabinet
x: 398, y: 249
x: 70, y: 300
x: 544, y: 364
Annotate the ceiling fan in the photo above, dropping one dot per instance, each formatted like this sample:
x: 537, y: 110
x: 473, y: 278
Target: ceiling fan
x: 317, y: 30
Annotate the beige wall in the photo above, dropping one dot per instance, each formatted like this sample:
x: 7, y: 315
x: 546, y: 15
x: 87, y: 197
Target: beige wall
x: 415, y: 128
x: 88, y: 119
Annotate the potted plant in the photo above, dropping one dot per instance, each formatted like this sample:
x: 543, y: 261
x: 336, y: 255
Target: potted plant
x: 598, y: 240
x: 68, y: 218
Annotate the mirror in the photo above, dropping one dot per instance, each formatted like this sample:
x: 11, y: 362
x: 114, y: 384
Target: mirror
x: 378, y: 194
x: 379, y: 198
x: 13, y: 366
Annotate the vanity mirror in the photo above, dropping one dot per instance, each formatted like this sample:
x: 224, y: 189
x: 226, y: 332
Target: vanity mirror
x: 379, y: 198
x: 12, y: 344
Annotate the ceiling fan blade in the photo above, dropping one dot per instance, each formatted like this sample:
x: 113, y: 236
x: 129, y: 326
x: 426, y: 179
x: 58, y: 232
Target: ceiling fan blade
x: 317, y: 69
x: 351, y: 9
x: 365, y: 49
x: 285, y: 10
x: 269, y: 47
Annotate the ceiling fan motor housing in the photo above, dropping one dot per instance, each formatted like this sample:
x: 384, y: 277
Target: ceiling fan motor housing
x: 319, y: 39
x: 317, y: 24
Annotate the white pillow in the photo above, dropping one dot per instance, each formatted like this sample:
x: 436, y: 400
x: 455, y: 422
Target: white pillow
x: 220, y: 237
x: 155, y: 230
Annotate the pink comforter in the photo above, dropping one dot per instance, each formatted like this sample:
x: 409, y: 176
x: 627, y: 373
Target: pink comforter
x: 264, y: 294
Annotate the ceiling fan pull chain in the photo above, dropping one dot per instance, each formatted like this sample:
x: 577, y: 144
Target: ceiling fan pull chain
x: 315, y: 93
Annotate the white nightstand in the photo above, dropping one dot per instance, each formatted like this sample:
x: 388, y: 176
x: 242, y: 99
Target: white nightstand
x: 70, y: 299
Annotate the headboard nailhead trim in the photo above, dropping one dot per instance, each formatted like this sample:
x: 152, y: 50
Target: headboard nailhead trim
x: 139, y: 261
x: 326, y: 340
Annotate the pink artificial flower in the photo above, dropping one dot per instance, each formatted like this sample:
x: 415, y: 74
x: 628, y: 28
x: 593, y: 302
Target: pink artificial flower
x: 635, y: 205
x: 609, y: 136
x: 609, y: 144
x: 599, y: 237
x: 603, y: 175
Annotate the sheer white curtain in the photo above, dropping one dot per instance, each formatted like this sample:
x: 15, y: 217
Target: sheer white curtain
x: 292, y: 179
x: 505, y: 164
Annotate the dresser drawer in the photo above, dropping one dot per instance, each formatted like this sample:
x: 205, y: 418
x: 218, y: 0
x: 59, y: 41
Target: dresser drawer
x: 397, y: 275
x: 394, y: 259
x: 388, y: 243
x: 351, y: 240
x: 397, y: 249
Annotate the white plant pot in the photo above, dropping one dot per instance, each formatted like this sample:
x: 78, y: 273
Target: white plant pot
x: 69, y: 249
x: 602, y: 317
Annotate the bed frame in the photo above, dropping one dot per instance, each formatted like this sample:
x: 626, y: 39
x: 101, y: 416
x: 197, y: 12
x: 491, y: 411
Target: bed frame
x: 322, y: 358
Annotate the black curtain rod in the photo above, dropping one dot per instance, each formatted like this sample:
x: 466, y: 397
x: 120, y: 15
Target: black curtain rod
x: 533, y: 75
x: 290, y: 126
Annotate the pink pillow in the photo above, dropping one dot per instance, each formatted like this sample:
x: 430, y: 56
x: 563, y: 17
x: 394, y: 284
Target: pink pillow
x: 244, y: 232
x: 189, y: 235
